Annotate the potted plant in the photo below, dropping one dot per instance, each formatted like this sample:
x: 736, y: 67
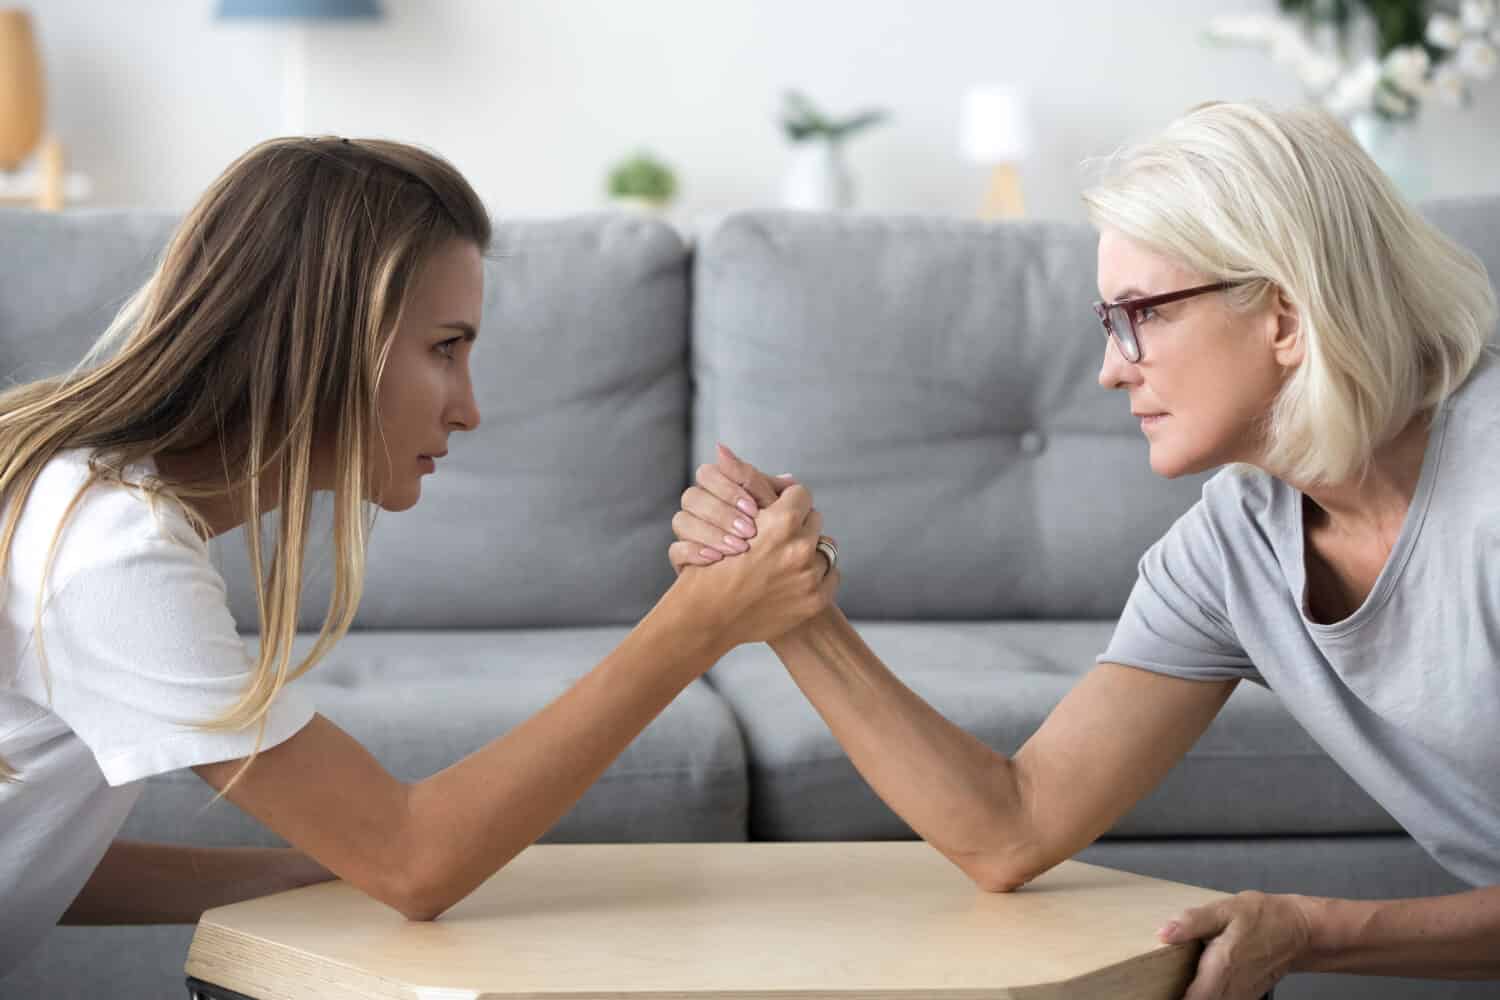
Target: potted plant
x: 818, y: 179
x: 1374, y: 62
x: 642, y: 183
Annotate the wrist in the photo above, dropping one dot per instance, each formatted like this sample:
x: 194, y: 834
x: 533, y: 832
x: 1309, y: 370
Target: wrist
x: 1329, y: 928
x: 815, y: 630
x: 697, y: 634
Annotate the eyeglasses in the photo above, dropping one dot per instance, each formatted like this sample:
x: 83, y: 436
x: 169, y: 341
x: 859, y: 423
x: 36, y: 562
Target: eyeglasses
x: 1119, y: 317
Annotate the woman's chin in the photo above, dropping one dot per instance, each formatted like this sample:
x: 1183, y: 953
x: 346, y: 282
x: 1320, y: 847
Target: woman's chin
x: 397, y: 500
x: 1168, y: 464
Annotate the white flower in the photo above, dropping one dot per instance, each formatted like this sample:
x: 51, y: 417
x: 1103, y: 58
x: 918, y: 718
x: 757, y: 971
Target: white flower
x: 1356, y: 91
x: 1477, y: 59
x: 1406, y: 67
x: 1444, y: 32
x: 1448, y: 85
x: 1477, y: 14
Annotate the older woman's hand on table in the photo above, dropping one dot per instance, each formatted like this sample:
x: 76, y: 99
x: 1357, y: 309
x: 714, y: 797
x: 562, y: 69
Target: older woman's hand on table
x: 1251, y: 940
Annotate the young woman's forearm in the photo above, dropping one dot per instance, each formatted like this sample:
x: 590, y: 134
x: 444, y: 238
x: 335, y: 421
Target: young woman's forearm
x: 953, y: 790
x: 142, y: 883
x: 1449, y: 937
x: 469, y: 820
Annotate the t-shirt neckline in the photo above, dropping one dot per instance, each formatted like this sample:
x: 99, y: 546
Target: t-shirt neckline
x: 1406, y: 541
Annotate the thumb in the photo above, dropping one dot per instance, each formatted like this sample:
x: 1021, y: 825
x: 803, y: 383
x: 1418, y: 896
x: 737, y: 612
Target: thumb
x: 1196, y: 924
x: 752, y: 479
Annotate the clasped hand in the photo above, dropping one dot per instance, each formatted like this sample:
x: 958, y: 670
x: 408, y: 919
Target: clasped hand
x: 782, y: 580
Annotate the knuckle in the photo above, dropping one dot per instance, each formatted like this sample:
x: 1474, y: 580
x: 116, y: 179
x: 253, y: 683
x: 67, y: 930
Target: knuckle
x: 776, y: 522
x: 687, y: 495
x: 701, y: 475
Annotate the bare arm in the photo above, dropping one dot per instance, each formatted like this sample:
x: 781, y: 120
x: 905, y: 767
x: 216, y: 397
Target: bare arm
x: 1450, y: 937
x: 1003, y: 821
x: 140, y: 883
x: 423, y: 847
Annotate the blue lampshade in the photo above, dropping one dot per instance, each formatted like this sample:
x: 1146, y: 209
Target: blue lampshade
x: 304, y: 9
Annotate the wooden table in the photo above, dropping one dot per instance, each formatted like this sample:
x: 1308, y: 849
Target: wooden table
x: 761, y: 921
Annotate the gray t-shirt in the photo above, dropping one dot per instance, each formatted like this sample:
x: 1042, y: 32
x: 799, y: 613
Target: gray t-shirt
x: 1405, y: 693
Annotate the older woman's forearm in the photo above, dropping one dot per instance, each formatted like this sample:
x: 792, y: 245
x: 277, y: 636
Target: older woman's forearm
x: 1447, y: 937
x: 953, y: 790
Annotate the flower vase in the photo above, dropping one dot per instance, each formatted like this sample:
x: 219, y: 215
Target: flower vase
x: 1392, y: 144
x: 818, y: 179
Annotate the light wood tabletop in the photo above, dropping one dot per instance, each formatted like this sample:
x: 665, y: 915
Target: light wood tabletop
x: 758, y: 921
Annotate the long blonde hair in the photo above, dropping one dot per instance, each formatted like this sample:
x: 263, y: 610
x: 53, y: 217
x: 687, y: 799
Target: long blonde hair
x: 264, y: 329
x: 1394, y: 314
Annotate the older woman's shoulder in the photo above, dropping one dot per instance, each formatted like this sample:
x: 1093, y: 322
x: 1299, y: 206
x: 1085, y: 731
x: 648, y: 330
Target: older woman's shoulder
x: 1477, y: 395
x: 1242, y: 490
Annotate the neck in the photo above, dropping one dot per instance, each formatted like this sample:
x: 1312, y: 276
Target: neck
x: 202, y: 470
x: 1382, y: 492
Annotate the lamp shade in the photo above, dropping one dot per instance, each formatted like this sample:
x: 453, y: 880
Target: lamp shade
x: 21, y: 104
x: 995, y: 127
x: 304, y: 9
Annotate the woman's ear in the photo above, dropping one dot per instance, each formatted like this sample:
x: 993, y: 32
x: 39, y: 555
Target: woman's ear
x: 1287, y: 343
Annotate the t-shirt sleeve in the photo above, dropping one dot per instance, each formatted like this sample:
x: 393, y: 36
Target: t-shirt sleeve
x: 1175, y: 621
x: 139, y: 646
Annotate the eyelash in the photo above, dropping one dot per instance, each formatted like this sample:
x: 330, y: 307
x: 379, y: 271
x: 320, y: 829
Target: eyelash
x: 1141, y: 315
x: 446, y: 348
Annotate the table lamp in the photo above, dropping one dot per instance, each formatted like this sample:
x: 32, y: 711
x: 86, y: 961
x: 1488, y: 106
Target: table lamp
x: 294, y: 49
x: 22, y: 113
x: 996, y: 132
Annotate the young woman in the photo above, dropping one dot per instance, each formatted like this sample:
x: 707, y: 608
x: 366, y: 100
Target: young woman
x: 308, y: 329
x: 1269, y: 303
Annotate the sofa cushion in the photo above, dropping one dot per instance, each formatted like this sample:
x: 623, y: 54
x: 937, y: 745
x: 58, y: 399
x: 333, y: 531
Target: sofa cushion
x: 933, y: 381
x: 556, y: 511
x: 422, y: 700
x: 1255, y: 772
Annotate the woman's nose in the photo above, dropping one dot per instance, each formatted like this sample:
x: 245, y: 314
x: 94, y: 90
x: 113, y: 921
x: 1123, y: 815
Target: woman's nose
x: 1116, y: 372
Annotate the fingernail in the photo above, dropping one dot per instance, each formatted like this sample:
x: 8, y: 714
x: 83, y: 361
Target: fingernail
x: 738, y: 544
x: 712, y: 555
x: 725, y: 449
x: 1168, y: 931
x: 748, y: 506
x: 744, y: 527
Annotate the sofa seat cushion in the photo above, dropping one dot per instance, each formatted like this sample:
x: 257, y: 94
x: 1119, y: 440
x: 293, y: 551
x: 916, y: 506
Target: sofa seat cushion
x: 1255, y: 772
x: 422, y: 700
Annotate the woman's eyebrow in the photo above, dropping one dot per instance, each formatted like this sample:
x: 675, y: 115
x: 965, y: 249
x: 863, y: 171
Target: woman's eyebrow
x: 468, y: 331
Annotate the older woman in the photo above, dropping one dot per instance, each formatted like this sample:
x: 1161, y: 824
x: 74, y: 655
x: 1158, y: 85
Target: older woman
x: 1271, y: 304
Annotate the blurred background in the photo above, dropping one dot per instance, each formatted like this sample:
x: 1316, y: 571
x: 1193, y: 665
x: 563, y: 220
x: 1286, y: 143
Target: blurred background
x: 542, y: 102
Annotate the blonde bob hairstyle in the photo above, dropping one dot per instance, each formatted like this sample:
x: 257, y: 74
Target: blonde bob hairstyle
x: 1394, y: 314
x: 263, y: 332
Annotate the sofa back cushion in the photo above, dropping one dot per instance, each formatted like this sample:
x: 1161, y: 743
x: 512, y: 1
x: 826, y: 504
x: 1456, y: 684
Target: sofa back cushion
x: 555, y: 511
x: 933, y: 381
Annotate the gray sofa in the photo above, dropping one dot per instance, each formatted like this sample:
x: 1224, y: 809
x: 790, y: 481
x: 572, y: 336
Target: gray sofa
x: 932, y: 380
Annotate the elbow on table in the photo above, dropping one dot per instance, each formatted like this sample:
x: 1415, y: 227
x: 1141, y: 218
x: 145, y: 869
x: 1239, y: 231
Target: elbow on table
x: 425, y: 885
x: 1001, y: 870
x: 418, y: 899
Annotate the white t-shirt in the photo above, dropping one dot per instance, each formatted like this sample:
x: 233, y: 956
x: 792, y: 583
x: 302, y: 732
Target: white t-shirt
x: 139, y: 645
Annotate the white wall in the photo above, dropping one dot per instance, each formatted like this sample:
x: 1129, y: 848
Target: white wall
x: 534, y: 99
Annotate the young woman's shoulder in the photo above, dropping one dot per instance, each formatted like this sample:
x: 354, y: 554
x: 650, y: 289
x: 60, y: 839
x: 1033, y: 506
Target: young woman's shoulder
x: 110, y: 521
